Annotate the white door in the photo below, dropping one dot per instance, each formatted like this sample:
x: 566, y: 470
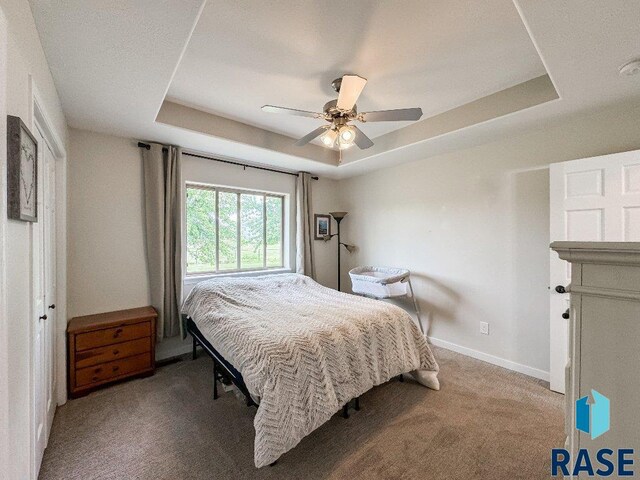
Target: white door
x: 43, y: 295
x: 595, y: 199
x: 50, y: 286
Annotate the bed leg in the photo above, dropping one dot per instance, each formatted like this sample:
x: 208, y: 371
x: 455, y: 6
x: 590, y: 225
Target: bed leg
x: 345, y: 411
x: 194, y: 354
x: 273, y: 464
x: 357, y: 404
x: 400, y: 378
x: 215, y: 380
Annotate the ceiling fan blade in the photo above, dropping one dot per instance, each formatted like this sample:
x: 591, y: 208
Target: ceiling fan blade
x: 350, y: 89
x: 402, y: 114
x: 361, y: 139
x: 310, y: 136
x: 291, y: 111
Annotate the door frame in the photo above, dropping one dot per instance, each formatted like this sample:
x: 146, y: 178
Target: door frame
x: 4, y: 341
x: 40, y: 119
x: 556, y: 174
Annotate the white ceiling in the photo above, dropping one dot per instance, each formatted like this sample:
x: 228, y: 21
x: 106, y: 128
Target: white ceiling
x: 436, y: 55
x: 583, y: 43
x: 113, y: 62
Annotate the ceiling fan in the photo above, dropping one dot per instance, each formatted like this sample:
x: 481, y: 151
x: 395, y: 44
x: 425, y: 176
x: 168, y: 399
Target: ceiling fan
x: 342, y: 111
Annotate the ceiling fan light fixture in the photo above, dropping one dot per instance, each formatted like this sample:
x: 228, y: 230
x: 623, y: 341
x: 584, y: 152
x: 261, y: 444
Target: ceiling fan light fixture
x: 329, y: 138
x: 343, y: 110
x: 347, y: 136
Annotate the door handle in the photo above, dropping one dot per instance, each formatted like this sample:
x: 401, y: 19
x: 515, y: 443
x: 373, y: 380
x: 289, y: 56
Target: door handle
x: 43, y: 317
x: 52, y: 306
x: 562, y: 289
x: 565, y: 315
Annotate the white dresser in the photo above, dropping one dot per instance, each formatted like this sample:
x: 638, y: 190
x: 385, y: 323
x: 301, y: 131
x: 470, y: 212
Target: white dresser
x: 604, y: 339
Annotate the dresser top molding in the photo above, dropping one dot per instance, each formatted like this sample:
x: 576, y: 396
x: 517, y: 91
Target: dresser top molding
x: 110, y: 319
x: 613, y: 253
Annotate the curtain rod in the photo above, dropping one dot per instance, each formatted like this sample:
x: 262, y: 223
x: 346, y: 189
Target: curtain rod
x: 243, y: 165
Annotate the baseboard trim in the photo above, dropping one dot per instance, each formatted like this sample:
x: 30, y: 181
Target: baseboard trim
x: 492, y: 359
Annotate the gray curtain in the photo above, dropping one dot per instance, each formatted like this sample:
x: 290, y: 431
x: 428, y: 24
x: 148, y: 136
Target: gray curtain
x: 162, y: 190
x: 304, y: 226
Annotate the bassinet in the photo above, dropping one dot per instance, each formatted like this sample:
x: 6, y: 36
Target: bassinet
x: 383, y: 282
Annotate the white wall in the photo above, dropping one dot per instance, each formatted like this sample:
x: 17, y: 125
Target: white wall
x: 26, y: 66
x: 107, y: 259
x: 107, y: 268
x: 4, y: 340
x: 326, y: 198
x: 473, y: 227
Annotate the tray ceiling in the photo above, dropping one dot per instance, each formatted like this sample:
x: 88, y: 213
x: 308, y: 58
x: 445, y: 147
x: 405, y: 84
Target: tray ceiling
x: 475, y: 68
x: 436, y: 55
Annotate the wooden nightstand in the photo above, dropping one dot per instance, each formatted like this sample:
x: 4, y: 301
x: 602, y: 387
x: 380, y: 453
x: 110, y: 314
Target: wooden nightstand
x: 109, y: 347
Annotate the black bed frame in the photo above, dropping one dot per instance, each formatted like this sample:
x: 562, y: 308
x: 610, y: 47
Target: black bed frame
x: 227, y: 373
x: 222, y: 369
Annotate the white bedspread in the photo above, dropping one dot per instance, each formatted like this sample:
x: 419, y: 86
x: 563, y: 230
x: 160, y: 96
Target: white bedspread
x: 305, y: 350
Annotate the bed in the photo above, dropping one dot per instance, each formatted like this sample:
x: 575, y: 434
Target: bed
x: 301, y: 351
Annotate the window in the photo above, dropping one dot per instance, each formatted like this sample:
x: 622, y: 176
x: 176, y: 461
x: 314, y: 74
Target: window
x: 233, y: 230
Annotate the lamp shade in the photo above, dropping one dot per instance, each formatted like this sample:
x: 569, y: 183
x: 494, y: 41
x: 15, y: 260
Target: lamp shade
x: 338, y: 215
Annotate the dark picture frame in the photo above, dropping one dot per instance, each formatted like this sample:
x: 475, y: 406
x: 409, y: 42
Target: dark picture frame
x: 322, y: 226
x: 22, y: 171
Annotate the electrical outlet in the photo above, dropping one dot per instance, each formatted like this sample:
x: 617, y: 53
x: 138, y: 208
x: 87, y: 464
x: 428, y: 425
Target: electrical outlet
x: 484, y: 328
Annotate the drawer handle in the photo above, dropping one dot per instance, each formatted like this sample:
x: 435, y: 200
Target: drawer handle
x: 116, y: 352
x: 115, y: 369
x: 95, y: 379
x: 98, y: 370
x: 117, y: 334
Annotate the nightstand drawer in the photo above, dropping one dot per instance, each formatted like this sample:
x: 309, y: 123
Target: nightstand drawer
x: 109, y: 336
x: 95, y: 356
x: 110, y: 370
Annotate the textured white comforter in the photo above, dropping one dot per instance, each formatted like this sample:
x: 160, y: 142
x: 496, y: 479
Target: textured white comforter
x: 305, y: 350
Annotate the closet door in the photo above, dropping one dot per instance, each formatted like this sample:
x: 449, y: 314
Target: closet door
x: 43, y: 306
x: 49, y: 220
x: 39, y: 320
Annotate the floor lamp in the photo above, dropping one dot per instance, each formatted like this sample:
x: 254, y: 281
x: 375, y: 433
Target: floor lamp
x: 338, y: 216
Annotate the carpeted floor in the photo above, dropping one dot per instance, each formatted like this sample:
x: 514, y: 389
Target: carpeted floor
x: 485, y: 423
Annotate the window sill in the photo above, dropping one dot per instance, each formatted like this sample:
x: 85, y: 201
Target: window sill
x: 193, y: 279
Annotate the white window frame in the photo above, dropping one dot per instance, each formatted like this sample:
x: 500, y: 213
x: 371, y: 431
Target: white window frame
x: 238, y: 191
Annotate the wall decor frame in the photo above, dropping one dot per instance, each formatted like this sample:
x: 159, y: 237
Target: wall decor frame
x: 322, y: 227
x: 22, y: 171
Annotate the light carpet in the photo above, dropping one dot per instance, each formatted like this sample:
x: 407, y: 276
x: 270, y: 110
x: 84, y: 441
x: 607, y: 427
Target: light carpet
x: 485, y: 423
